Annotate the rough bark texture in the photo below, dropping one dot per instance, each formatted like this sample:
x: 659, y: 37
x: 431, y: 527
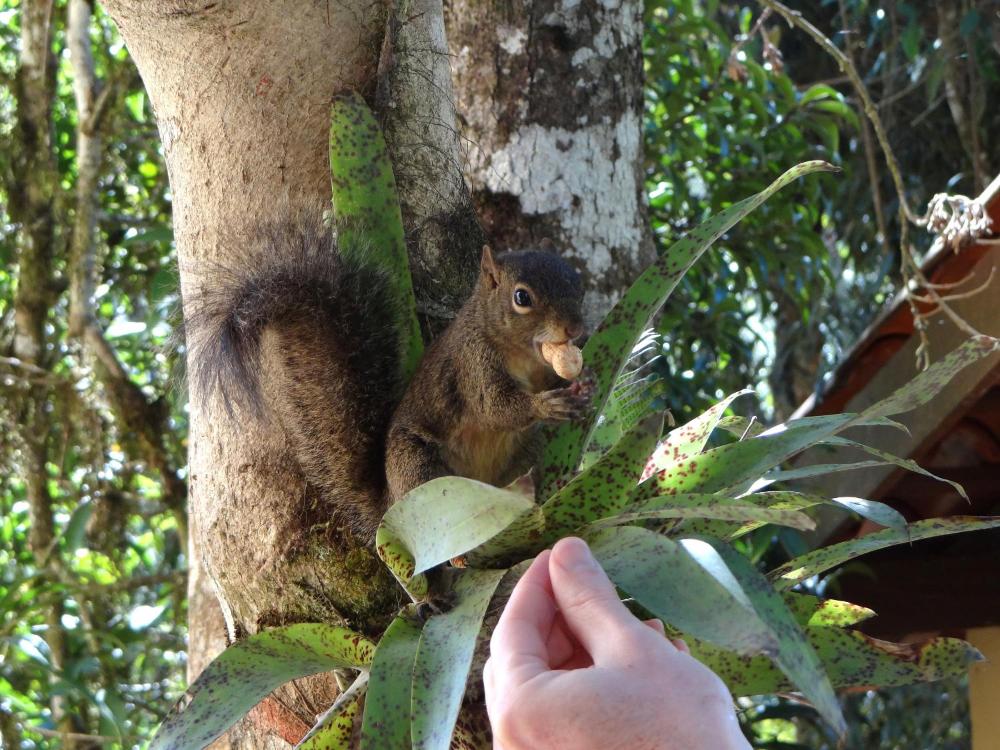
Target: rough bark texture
x: 241, y: 92
x: 550, y: 103
x: 417, y: 103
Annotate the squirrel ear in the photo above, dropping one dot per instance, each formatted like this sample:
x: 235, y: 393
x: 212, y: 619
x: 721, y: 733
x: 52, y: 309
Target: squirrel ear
x: 488, y: 266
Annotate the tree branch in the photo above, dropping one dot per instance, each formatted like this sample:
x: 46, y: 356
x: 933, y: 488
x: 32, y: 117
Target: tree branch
x: 913, y: 276
x: 129, y: 403
x: 796, y: 19
x: 868, y: 145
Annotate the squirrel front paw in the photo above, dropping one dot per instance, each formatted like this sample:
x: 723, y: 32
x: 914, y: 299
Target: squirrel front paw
x: 565, y: 404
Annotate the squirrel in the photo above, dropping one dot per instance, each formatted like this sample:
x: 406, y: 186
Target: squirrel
x: 309, y: 338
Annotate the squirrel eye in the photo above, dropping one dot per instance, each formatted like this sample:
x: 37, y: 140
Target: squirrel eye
x: 522, y: 298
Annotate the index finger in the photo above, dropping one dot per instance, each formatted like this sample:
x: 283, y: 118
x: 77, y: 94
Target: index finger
x: 518, y: 647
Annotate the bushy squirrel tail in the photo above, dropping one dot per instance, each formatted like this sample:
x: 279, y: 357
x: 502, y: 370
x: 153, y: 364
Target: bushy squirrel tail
x: 307, y: 338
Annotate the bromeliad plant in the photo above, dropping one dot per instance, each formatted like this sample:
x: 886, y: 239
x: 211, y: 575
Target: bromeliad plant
x: 660, y: 513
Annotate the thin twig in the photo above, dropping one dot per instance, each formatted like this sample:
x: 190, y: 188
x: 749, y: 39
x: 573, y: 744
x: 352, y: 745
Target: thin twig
x: 744, y: 38
x: 869, y: 148
x: 796, y: 19
x: 913, y: 276
x: 958, y: 295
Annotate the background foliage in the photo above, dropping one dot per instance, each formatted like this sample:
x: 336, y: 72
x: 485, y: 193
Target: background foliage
x: 91, y: 617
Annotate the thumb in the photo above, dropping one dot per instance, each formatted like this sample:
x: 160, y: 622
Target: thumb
x: 590, y: 605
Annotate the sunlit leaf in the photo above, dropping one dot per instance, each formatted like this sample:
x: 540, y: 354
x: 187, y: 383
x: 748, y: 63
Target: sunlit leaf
x: 795, y: 656
x: 734, y: 466
x: 690, y: 439
x: 928, y: 383
x: 366, y: 206
x: 813, y: 611
x: 604, y: 488
x: 448, y: 516
x: 794, y: 501
x: 889, y: 458
x: 689, y: 594
x: 607, y: 350
x: 715, y: 507
x: 334, y: 729
x: 849, y: 659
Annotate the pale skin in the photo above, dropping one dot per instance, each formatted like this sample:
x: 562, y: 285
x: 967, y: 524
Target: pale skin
x: 571, y: 668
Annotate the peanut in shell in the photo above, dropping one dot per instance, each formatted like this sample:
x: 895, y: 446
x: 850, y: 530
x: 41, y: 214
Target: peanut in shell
x: 565, y: 359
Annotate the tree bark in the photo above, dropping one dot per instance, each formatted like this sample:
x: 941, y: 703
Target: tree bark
x: 550, y: 102
x: 33, y: 206
x: 241, y: 91
x: 417, y: 103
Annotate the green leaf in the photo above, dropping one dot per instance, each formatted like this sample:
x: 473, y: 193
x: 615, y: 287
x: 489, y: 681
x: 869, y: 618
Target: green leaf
x: 814, y: 470
x: 689, y: 593
x: 154, y: 235
x: 736, y: 465
x: 813, y: 563
x: 795, y: 657
x: 786, y: 501
x: 840, y: 109
x: 849, y: 658
x: 929, y: 383
x: 817, y: 92
x: 448, y: 516
x: 246, y: 673
x: 603, y: 489
x: 73, y: 538
x: 716, y: 507
x: 386, y: 721
x: 523, y: 538
x: 607, y: 350
x: 334, y: 730
x: 444, y: 657
x: 398, y: 558
x: 366, y: 207
x: 889, y: 458
x: 690, y: 439
x: 910, y: 39
x: 827, y: 130
x: 631, y: 399
x: 880, y: 513
x: 813, y: 611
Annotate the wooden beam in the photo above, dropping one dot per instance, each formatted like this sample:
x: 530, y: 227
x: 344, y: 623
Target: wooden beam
x: 926, y: 424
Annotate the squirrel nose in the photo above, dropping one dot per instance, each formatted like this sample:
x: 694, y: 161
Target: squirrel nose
x: 574, y: 331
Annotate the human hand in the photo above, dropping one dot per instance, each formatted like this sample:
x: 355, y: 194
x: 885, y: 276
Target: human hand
x: 571, y: 668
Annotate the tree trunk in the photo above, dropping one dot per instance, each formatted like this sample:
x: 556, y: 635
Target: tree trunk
x: 242, y: 92
x: 33, y: 207
x: 550, y: 102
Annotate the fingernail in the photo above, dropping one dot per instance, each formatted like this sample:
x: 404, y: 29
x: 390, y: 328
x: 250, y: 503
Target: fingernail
x: 575, y: 555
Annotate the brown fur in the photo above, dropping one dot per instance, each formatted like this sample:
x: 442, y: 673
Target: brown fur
x: 325, y: 328
x: 483, y: 386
